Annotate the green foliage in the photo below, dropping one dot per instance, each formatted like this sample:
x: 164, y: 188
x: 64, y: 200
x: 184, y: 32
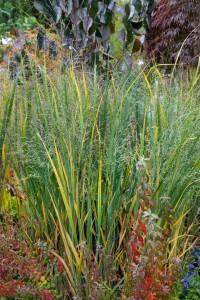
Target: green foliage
x: 134, y: 17
x: 191, y: 280
x: 14, y: 14
x: 86, y: 25
x: 6, y: 106
x: 78, y: 142
x: 174, y: 175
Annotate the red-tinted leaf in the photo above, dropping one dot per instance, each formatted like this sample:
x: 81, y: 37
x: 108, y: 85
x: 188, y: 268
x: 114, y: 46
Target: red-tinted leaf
x: 135, y: 250
x: 143, y: 227
x: 60, y: 266
x: 140, y: 240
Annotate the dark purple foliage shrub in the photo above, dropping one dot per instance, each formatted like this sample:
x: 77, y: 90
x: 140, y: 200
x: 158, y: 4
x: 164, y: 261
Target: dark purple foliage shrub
x: 174, y: 33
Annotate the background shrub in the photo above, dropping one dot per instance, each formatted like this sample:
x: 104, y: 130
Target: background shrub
x: 175, y: 26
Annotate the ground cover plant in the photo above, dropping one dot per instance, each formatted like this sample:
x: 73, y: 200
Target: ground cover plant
x: 77, y: 143
x: 24, y: 273
x: 191, y: 280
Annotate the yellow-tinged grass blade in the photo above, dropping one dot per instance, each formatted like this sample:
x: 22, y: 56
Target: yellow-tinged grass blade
x: 150, y: 89
x: 189, y: 248
x: 65, y: 200
x: 185, y: 248
x: 176, y: 235
x: 44, y: 214
x: 193, y: 85
x: 143, y: 135
x: 69, y: 277
x: 99, y: 202
x: 85, y: 87
x: 180, y: 219
x: 62, y: 231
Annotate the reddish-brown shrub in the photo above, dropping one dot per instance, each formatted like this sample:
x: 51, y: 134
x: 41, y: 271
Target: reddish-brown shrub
x: 22, y: 271
x: 175, y: 25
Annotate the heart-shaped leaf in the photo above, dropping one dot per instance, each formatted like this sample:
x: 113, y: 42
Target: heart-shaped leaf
x: 20, y: 42
x: 62, y: 6
x: 105, y: 33
x: 132, y: 11
x: 92, y: 29
x: 137, y: 4
x: 122, y: 35
x: 69, y: 7
x: 87, y: 23
x: 127, y: 63
x: 58, y: 11
x: 93, y: 9
x: 136, y: 25
x: 136, y: 46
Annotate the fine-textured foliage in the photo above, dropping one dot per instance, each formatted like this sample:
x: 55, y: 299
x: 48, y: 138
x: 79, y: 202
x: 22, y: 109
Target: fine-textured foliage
x: 174, y: 33
x: 77, y: 143
x: 6, y: 105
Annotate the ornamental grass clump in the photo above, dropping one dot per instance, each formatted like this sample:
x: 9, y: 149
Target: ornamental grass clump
x: 74, y: 141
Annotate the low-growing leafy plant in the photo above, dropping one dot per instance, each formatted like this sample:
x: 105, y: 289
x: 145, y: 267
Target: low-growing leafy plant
x: 23, y: 272
x: 191, y: 280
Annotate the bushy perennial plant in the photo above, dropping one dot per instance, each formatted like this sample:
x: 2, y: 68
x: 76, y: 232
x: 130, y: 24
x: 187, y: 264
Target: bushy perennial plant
x: 24, y: 272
